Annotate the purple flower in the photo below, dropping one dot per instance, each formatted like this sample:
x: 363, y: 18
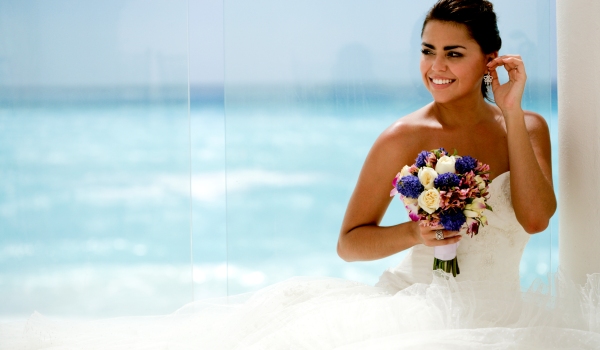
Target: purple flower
x: 452, y: 219
x: 446, y: 181
x: 410, y: 186
x: 465, y: 164
x: 421, y: 160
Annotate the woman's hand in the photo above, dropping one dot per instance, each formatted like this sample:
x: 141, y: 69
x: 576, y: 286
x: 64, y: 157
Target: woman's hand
x: 508, y: 95
x: 427, y: 236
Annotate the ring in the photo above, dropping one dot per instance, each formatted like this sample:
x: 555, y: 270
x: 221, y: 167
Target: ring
x: 439, y: 235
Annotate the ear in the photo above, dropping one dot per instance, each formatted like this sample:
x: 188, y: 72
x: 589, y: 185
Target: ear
x: 491, y: 56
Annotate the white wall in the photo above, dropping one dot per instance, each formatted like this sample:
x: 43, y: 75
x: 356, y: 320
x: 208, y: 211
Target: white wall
x: 579, y: 138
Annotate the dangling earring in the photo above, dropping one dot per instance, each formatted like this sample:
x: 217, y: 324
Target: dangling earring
x: 487, y: 79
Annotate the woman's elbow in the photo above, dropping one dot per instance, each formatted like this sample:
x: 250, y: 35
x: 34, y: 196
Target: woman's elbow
x: 535, y: 224
x: 340, y: 252
x: 343, y: 250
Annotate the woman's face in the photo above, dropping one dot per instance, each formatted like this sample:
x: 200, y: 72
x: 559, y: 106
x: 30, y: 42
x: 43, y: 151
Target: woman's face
x: 452, y: 63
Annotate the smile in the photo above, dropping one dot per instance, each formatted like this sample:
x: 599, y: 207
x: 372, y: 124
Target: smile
x: 442, y: 81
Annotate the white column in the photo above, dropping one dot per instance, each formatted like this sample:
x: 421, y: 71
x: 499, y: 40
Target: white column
x: 578, y: 26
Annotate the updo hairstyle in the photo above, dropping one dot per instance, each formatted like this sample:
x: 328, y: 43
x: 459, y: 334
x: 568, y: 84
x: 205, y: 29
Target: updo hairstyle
x: 479, y: 18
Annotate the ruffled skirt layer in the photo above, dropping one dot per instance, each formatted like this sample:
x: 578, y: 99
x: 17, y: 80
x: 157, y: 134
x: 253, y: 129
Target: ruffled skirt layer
x: 331, y: 313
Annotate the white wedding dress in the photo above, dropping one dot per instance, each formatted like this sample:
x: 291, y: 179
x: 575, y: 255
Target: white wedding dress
x: 411, y: 307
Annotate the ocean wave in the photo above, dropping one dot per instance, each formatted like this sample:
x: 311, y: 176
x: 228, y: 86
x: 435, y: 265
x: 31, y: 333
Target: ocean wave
x: 206, y: 187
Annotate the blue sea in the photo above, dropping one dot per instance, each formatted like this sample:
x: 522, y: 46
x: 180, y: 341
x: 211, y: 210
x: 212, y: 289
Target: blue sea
x: 120, y: 209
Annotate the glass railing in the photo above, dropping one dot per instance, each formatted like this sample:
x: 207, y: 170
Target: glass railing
x: 94, y: 145
x: 155, y: 153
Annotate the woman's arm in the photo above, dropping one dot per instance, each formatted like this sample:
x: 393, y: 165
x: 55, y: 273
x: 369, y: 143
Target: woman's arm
x: 529, y: 154
x: 361, y: 237
x: 529, y: 149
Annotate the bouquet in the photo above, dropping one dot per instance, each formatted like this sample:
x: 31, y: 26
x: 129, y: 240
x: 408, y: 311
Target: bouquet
x: 450, y: 191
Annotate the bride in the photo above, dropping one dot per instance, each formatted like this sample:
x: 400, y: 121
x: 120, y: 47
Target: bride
x: 460, y: 44
x: 411, y: 306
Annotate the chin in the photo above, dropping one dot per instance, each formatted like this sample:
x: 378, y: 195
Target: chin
x: 447, y: 96
x: 442, y: 98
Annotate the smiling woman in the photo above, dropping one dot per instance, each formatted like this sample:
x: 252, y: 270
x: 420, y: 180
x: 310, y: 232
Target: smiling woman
x: 452, y: 65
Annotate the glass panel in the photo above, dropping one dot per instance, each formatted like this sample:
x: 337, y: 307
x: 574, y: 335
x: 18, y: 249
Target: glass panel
x: 94, y: 137
x: 528, y: 34
x: 208, y: 148
x: 308, y: 87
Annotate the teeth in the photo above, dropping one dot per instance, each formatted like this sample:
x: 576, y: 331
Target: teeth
x: 441, y: 81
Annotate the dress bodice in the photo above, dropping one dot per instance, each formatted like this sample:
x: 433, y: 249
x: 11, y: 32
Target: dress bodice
x: 495, y: 253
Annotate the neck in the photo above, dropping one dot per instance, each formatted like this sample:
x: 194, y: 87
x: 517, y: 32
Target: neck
x: 463, y: 112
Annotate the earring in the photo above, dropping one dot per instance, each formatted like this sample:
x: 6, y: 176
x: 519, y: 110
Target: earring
x: 487, y: 79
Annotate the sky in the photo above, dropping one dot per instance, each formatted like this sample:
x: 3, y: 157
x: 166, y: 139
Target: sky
x: 263, y: 42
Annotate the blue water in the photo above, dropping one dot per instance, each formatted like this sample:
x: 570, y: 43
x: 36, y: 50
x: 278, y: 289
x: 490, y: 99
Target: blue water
x: 96, y: 217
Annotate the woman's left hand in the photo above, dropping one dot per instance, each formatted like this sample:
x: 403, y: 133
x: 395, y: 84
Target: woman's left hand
x: 508, y: 95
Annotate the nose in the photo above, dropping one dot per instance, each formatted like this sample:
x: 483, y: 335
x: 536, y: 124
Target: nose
x: 439, y: 64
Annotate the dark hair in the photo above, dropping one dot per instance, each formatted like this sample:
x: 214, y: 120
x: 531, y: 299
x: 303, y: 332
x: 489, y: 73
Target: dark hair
x: 479, y: 18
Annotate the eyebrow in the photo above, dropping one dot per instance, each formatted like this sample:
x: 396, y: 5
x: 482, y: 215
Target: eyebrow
x: 446, y: 48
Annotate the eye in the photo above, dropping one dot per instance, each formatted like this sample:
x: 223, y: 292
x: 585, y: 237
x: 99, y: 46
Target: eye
x: 454, y: 54
x: 426, y: 52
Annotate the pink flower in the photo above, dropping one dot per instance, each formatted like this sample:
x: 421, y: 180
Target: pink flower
x: 396, y: 179
x: 434, y: 221
x: 483, y: 220
x: 472, y: 226
x: 482, y: 168
x: 413, y: 169
x: 431, y: 160
x: 413, y: 212
x: 477, y: 205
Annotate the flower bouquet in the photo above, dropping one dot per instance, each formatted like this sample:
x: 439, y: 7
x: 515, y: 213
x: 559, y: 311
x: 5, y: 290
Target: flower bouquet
x: 445, y: 190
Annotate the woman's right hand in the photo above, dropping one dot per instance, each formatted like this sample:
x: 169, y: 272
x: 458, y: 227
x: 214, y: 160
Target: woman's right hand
x: 427, y: 235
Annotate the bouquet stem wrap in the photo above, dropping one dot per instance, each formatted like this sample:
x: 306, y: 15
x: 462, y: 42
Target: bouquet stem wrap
x: 444, y: 258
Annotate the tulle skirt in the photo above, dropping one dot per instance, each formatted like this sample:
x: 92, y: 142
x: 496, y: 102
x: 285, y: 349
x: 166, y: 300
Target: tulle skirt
x: 332, y: 313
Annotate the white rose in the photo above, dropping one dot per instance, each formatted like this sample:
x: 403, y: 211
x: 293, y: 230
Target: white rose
x: 426, y: 176
x: 445, y: 165
x: 409, y: 201
x: 429, y: 200
x: 405, y: 171
x: 480, y: 182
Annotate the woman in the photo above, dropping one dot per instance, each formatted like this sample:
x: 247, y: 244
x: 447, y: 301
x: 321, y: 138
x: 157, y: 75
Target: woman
x: 412, y: 306
x: 460, y: 44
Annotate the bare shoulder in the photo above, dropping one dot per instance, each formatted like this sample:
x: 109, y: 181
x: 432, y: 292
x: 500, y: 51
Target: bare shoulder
x: 536, y: 123
x: 404, y: 133
x: 396, y: 145
x: 539, y: 135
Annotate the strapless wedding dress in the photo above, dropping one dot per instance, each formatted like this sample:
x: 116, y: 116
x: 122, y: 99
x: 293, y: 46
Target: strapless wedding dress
x: 410, y: 307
